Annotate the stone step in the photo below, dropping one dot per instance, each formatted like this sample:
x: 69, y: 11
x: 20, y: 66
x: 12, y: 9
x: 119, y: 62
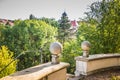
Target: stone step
x: 72, y: 77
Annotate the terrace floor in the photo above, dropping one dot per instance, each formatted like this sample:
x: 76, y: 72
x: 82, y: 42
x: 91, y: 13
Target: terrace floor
x: 111, y: 74
x: 105, y: 75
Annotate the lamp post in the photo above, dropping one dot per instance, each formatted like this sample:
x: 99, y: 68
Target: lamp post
x: 85, y: 45
x: 55, y: 49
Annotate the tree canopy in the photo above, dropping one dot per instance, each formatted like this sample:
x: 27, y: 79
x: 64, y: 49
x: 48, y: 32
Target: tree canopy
x: 105, y: 16
x: 63, y: 30
x: 32, y: 35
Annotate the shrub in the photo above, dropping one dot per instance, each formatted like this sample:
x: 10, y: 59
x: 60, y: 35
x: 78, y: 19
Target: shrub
x: 6, y: 56
x: 70, y: 51
x: 29, y: 35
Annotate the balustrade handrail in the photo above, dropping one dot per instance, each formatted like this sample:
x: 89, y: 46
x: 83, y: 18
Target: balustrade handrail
x: 95, y: 63
x: 37, y: 72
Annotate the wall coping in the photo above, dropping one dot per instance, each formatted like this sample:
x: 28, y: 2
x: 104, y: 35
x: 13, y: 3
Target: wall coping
x: 97, y: 57
x: 36, y: 72
x: 95, y: 63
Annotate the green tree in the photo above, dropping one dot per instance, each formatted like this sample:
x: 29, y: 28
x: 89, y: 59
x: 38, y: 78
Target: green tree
x: 32, y: 36
x: 87, y: 31
x: 6, y: 56
x: 63, y: 30
x: 50, y: 21
x: 105, y: 16
x: 70, y: 51
x: 1, y: 28
x: 32, y: 16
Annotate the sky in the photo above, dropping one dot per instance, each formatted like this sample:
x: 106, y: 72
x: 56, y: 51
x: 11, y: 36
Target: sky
x: 21, y: 9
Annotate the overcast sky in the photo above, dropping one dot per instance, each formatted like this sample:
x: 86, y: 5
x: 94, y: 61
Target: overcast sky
x: 21, y: 9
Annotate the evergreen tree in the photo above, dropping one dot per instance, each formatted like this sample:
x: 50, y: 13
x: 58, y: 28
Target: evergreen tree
x: 32, y: 17
x: 64, y: 26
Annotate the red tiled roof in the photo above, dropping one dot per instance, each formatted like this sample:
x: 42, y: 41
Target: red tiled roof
x: 7, y: 22
x: 74, y: 23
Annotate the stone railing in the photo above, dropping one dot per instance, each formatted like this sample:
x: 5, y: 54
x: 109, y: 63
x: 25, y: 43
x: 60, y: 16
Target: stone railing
x: 94, y: 63
x: 54, y: 70
x: 45, y: 71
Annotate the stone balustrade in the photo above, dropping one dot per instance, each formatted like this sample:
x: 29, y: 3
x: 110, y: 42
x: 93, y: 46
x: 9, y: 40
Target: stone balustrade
x: 45, y: 71
x: 94, y: 63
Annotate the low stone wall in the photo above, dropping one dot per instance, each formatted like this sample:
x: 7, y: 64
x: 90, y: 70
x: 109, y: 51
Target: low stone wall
x: 86, y: 66
x: 45, y: 71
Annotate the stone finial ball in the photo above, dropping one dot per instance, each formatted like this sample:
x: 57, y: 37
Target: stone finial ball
x: 55, y: 48
x: 85, y: 45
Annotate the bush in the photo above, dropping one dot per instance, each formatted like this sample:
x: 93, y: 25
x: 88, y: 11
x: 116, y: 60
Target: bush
x: 6, y: 57
x: 115, y: 78
x: 29, y: 35
x: 70, y: 51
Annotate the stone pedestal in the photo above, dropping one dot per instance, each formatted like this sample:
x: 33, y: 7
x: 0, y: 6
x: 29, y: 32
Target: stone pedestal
x: 55, y: 59
x: 81, y: 66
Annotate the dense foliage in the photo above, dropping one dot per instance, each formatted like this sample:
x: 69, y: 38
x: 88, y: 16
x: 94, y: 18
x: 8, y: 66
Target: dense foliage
x: 70, y: 51
x: 88, y: 32
x: 102, y: 27
x: 63, y: 30
x: 70, y: 46
x: 50, y: 21
x: 6, y: 56
x: 29, y: 35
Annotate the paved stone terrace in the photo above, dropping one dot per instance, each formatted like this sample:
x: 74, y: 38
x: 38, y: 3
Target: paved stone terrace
x: 103, y: 75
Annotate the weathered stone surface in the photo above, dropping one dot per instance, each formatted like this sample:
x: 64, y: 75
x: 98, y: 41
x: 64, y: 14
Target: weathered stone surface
x: 58, y: 75
x: 40, y: 72
x: 93, y: 63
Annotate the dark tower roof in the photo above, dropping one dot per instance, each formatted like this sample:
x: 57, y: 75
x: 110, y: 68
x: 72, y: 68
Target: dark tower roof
x: 64, y: 14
